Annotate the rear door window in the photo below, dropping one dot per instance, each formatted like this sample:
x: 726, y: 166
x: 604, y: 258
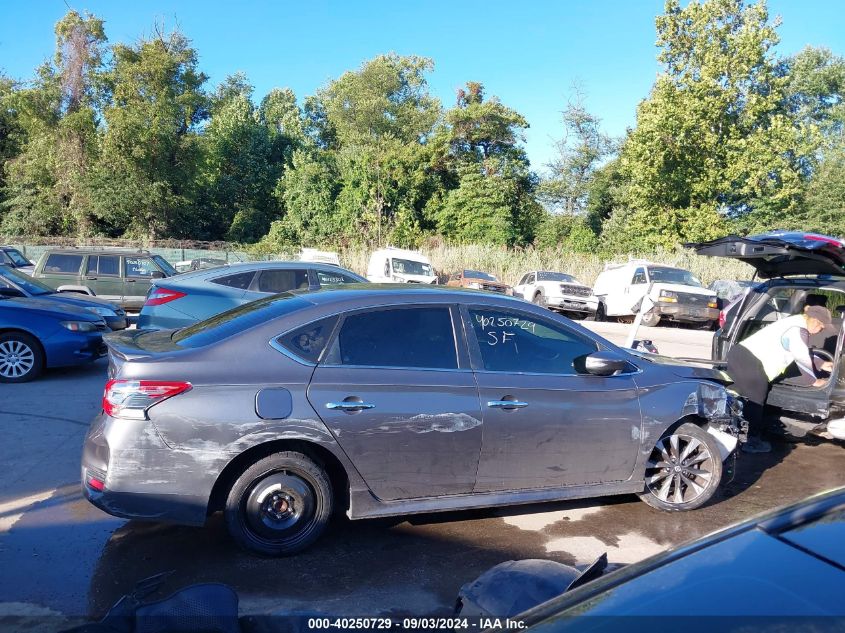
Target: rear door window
x: 63, y: 264
x: 519, y: 343
x: 327, y: 278
x: 104, y: 265
x: 241, y: 281
x: 419, y: 337
x: 282, y: 280
x: 309, y: 341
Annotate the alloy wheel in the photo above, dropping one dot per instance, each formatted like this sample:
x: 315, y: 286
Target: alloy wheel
x: 17, y: 359
x: 680, y: 469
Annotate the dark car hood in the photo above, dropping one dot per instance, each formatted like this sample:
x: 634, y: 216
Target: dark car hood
x: 79, y: 300
x: 687, y: 368
x: 59, y: 310
x: 780, y: 253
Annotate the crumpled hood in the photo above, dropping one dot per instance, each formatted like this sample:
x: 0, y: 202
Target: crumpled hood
x: 688, y: 368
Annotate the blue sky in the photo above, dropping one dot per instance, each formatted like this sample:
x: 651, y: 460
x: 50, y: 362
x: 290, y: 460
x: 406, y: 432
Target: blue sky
x: 527, y: 53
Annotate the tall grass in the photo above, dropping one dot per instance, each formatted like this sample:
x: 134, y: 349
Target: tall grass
x: 509, y: 265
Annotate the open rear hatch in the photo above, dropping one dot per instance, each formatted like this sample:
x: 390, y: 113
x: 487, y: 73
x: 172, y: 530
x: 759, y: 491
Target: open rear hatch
x: 780, y: 253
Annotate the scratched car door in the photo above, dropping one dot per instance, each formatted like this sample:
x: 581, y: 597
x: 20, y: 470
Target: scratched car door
x: 546, y: 424
x: 396, y: 390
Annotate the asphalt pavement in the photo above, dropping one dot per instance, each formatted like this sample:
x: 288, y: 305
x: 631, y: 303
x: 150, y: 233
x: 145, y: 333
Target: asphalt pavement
x: 62, y: 557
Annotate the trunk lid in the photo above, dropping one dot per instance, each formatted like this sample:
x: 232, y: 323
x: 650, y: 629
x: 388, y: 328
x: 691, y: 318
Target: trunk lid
x: 780, y: 253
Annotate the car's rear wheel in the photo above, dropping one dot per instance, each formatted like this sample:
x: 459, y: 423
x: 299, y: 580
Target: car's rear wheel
x: 279, y: 505
x: 684, y: 470
x: 538, y: 299
x: 20, y: 357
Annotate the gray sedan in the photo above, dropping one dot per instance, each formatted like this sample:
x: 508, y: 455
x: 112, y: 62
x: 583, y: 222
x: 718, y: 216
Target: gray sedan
x: 183, y: 300
x: 388, y: 400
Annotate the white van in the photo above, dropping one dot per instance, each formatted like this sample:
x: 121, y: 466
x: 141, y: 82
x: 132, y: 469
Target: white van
x: 319, y: 257
x: 676, y: 294
x: 396, y: 265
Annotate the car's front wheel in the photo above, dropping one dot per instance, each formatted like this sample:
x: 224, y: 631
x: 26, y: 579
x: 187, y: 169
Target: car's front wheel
x: 20, y: 357
x: 279, y: 505
x: 684, y: 470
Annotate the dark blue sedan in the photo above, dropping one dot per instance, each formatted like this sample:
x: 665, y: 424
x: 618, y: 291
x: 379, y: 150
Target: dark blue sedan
x: 14, y: 283
x: 39, y: 333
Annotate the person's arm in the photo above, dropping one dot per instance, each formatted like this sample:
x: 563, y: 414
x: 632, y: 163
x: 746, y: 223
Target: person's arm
x: 796, y: 341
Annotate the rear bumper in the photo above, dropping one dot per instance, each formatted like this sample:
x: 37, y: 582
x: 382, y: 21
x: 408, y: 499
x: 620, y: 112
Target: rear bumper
x: 689, y: 314
x: 163, y: 318
x: 143, y: 478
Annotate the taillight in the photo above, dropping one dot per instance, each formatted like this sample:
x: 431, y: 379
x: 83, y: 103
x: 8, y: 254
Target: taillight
x: 131, y: 398
x: 160, y: 296
x: 722, y: 318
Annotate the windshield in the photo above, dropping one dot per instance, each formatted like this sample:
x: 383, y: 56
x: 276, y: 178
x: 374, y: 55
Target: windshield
x: 411, y: 267
x: 673, y: 276
x: 16, y: 257
x: 22, y: 281
x: 556, y: 277
x: 237, y: 320
x: 165, y: 265
x: 475, y: 274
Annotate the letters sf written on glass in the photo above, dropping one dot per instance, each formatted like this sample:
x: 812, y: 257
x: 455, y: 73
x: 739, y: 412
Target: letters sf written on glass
x: 502, y: 329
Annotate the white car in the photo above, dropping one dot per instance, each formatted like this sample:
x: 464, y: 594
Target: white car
x: 675, y: 294
x: 396, y: 265
x: 557, y: 291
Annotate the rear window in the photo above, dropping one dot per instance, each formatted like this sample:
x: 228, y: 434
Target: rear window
x: 241, y: 281
x: 226, y: 324
x: 63, y: 264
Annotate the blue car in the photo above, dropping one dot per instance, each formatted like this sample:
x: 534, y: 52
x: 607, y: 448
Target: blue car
x: 39, y: 333
x: 180, y: 301
x: 14, y: 283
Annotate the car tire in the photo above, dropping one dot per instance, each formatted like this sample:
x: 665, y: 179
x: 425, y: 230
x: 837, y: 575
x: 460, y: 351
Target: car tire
x: 21, y: 359
x: 601, y: 312
x: 538, y: 299
x: 280, y: 505
x: 651, y: 319
x: 678, y: 478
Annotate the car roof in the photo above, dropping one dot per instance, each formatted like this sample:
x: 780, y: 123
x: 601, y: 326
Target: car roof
x: 95, y: 250
x: 402, y: 293
x: 242, y: 267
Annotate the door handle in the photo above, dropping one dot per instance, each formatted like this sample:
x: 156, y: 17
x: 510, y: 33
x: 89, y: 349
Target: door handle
x: 506, y: 404
x: 349, y: 406
x: 131, y: 281
x: 91, y: 278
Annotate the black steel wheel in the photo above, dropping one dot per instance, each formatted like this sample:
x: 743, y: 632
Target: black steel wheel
x: 279, y: 505
x: 684, y: 469
x: 20, y: 357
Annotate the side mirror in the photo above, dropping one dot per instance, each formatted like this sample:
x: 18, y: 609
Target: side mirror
x: 605, y: 363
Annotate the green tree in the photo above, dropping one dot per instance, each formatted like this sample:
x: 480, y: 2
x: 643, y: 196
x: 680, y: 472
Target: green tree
x: 58, y: 116
x: 144, y: 183
x: 491, y: 194
x: 715, y: 136
x: 580, y: 154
